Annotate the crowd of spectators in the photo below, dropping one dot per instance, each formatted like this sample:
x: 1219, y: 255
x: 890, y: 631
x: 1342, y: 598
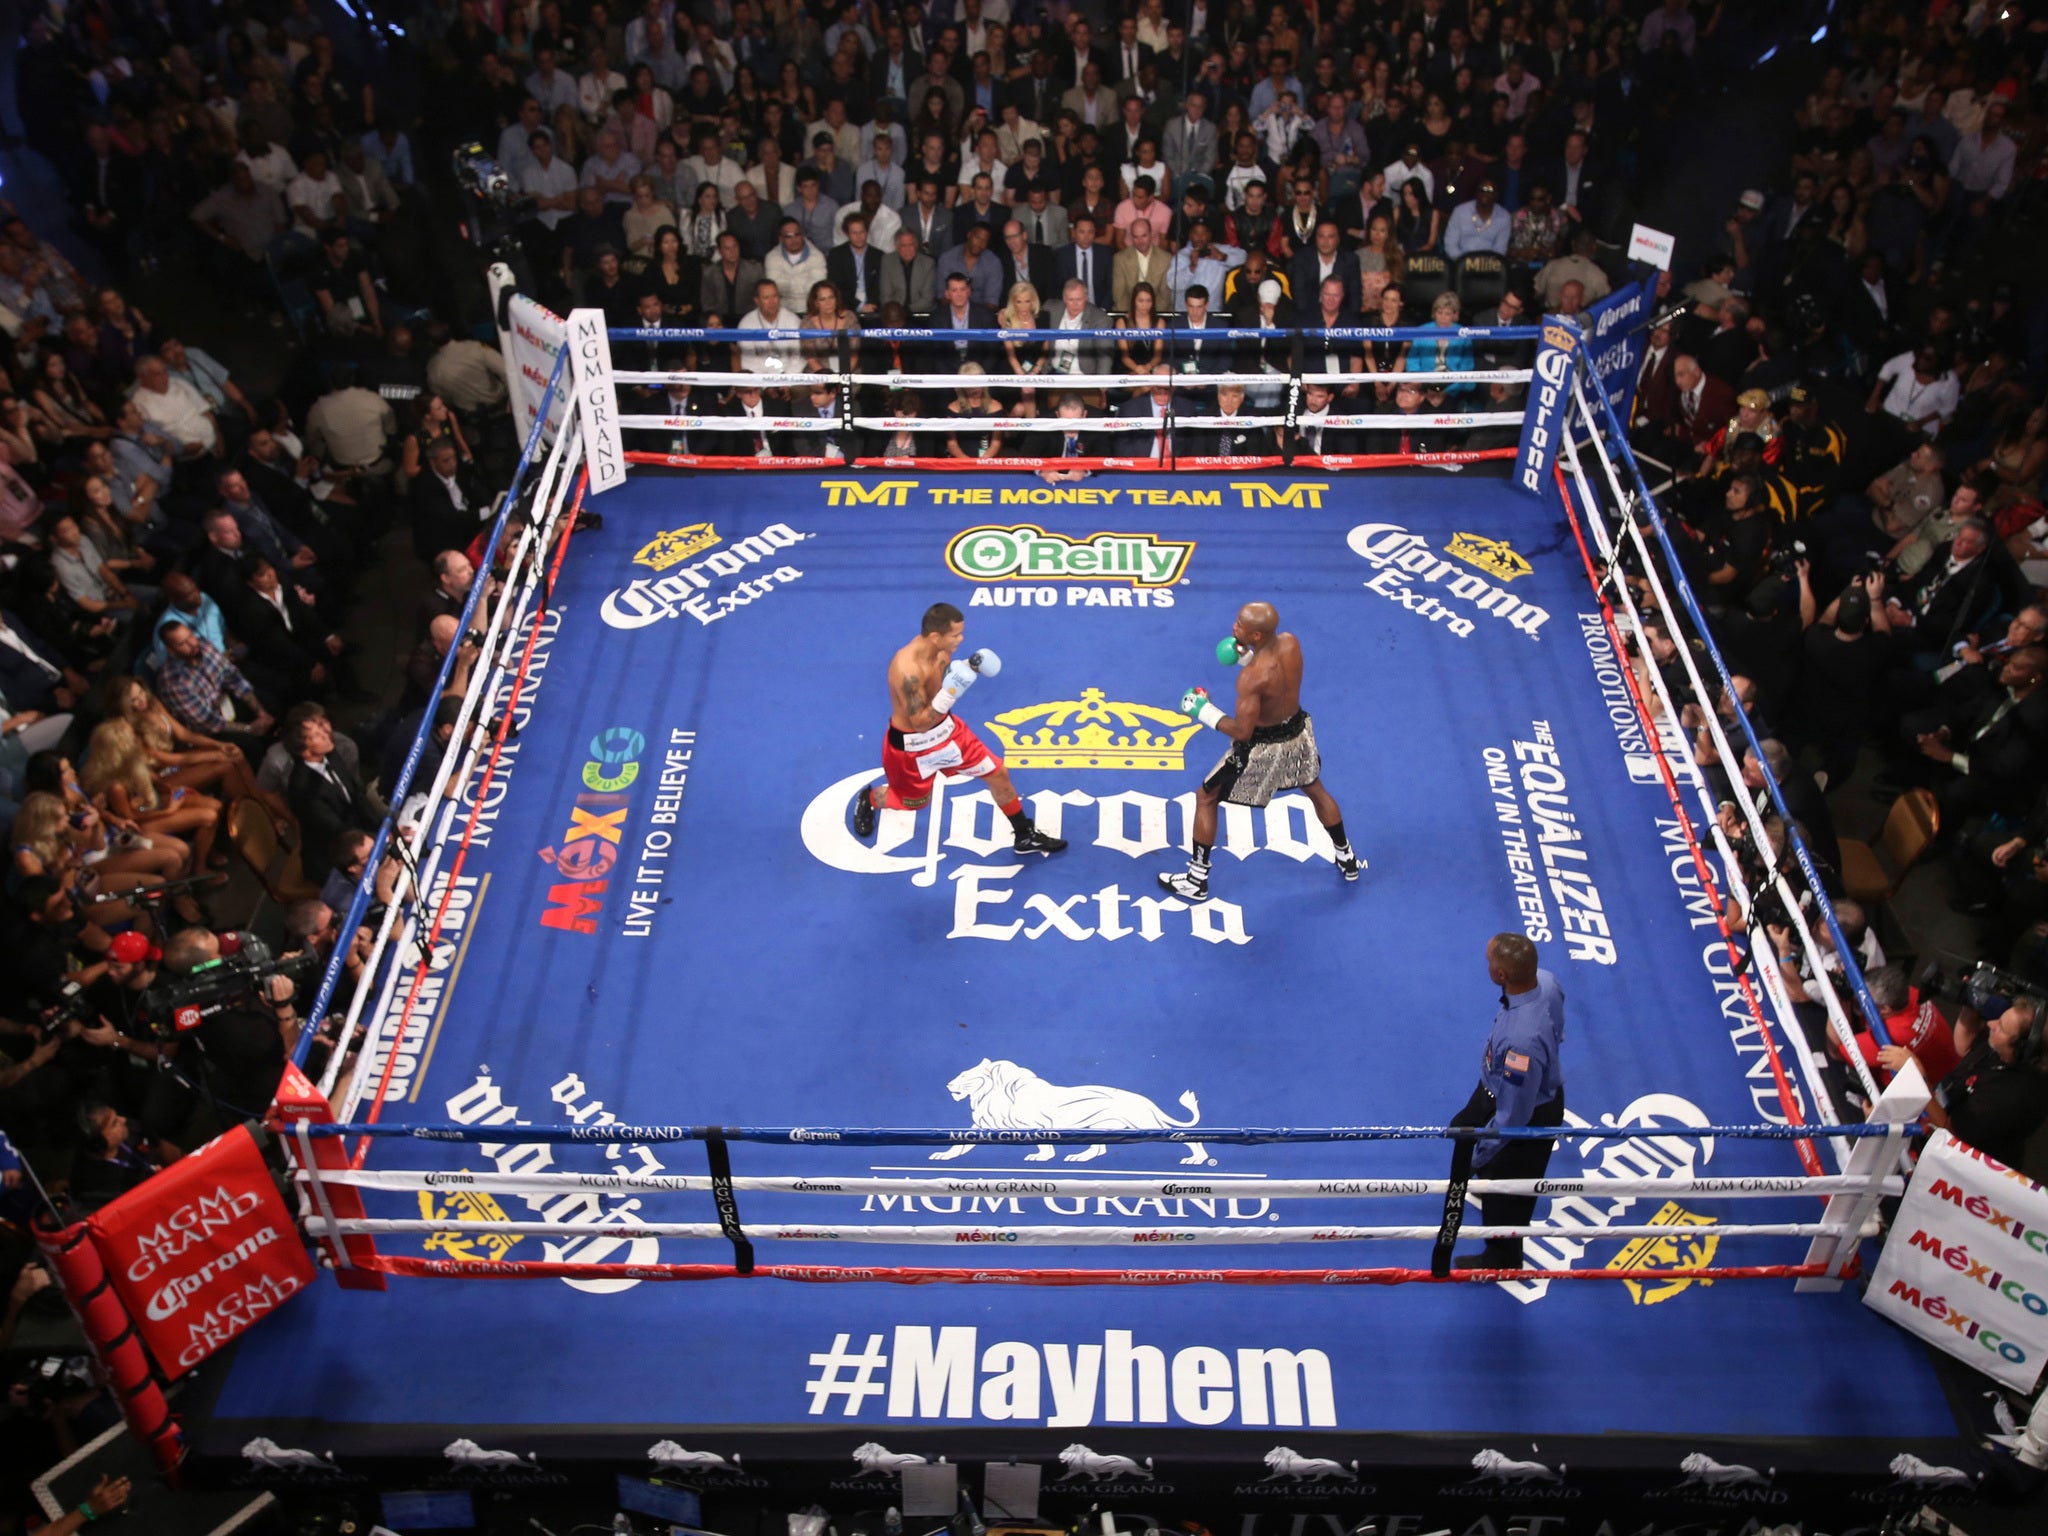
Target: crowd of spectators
x: 1849, y: 413
x: 182, y: 543
x: 1847, y: 420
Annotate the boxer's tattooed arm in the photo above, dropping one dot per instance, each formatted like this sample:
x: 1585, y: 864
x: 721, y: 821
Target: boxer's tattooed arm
x: 916, y: 698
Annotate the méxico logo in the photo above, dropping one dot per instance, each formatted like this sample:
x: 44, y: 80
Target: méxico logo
x: 1026, y: 552
x: 589, y: 846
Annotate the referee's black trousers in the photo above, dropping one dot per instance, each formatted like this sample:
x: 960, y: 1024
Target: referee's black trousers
x: 1518, y: 1158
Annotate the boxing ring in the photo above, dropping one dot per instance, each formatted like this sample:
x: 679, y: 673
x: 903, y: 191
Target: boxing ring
x: 650, y: 1013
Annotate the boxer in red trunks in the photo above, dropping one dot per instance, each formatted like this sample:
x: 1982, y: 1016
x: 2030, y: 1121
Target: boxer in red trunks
x: 926, y: 739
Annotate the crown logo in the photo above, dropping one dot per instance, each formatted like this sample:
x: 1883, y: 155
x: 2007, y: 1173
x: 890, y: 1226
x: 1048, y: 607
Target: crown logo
x: 676, y: 546
x: 1091, y: 732
x: 1493, y: 556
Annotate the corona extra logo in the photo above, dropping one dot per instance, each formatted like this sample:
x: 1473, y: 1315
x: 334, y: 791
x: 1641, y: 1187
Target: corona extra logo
x: 1026, y: 552
x: 1678, y: 1251
x: 1092, y: 732
x: 1496, y: 557
x: 676, y: 546
x: 466, y: 1247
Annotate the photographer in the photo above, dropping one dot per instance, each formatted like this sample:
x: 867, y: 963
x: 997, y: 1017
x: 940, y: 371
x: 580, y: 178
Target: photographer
x: 245, y: 1038
x: 1843, y: 664
x: 1997, y: 1096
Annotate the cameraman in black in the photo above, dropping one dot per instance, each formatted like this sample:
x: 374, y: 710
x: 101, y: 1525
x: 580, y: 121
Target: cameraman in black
x: 243, y: 1045
x: 1997, y: 1096
x: 1725, y: 557
x: 159, y: 1103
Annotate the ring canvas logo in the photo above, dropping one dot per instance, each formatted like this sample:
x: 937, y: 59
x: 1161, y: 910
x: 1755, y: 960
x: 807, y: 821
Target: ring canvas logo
x: 589, y: 846
x: 1496, y: 557
x: 1092, y: 732
x: 1026, y: 552
x: 676, y: 546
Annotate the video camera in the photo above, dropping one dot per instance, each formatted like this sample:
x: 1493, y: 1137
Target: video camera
x: 1985, y: 989
x: 180, y: 1004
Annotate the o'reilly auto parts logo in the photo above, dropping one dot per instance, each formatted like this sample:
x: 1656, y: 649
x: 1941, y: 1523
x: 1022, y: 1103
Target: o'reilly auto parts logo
x: 1026, y: 552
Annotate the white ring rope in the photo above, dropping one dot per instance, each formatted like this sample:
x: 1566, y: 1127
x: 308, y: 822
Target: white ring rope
x: 1031, y: 1236
x: 1739, y: 1187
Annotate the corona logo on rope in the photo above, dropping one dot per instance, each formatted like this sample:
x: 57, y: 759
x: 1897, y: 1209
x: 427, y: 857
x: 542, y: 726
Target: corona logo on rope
x: 1494, y: 556
x: 466, y: 1247
x: 676, y: 546
x: 1646, y: 1255
x: 1093, y: 732
x: 1026, y: 552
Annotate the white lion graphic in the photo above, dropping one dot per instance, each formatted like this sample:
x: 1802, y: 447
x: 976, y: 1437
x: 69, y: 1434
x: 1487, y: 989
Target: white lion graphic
x: 1006, y: 1097
x: 1912, y: 1472
x: 1281, y: 1461
x: 667, y: 1454
x: 1082, y: 1462
x: 1702, y: 1471
x: 263, y: 1452
x: 467, y: 1453
x: 879, y: 1458
x: 1493, y: 1467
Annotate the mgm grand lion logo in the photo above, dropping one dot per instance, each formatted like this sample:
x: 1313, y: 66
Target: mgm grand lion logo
x: 676, y: 546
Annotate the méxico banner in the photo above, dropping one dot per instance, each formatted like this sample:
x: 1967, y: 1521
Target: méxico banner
x: 530, y: 337
x: 201, y: 1251
x: 1966, y: 1263
x: 1616, y: 328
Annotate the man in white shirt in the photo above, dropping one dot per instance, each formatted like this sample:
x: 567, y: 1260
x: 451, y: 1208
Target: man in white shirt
x: 1410, y: 168
x: 767, y: 315
x: 881, y: 168
x: 710, y: 164
x: 176, y: 407
x: 1915, y: 388
x: 1983, y: 161
x: 883, y: 221
x: 315, y: 197
x: 515, y: 153
x: 611, y: 168
x: 270, y: 165
x: 1478, y: 225
x: 794, y: 266
x: 549, y: 180
x: 550, y: 86
x: 595, y: 87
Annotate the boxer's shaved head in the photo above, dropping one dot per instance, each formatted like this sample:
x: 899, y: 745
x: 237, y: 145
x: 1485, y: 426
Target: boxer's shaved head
x: 1259, y: 617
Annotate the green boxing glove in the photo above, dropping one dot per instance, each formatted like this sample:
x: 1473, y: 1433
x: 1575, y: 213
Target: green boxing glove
x: 1230, y: 653
x: 1195, y: 704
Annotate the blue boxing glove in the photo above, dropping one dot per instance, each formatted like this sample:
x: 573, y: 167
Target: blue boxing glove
x: 1195, y: 705
x: 986, y: 662
x: 960, y: 676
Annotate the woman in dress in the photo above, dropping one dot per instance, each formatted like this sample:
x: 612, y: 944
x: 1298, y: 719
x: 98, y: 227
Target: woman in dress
x: 969, y: 439
x: 672, y: 276
x: 1140, y: 344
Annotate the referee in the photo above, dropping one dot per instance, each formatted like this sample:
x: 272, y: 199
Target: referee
x: 1521, y: 1082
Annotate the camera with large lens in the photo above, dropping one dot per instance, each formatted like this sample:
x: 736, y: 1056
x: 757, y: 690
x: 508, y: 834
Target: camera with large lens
x: 180, y: 1004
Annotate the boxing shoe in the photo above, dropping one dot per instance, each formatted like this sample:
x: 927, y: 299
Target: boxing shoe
x: 864, y: 813
x: 1031, y: 840
x: 1349, y: 864
x: 1185, y: 886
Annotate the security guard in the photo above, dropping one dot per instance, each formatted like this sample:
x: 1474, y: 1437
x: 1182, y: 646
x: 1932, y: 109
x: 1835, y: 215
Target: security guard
x: 1521, y: 1082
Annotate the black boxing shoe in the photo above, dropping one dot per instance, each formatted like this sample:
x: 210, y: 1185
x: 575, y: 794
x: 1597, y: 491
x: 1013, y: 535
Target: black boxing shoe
x: 1349, y: 864
x: 1031, y: 840
x: 864, y: 813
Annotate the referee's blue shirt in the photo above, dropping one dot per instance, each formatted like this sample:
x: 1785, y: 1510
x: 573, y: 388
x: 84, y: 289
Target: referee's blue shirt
x: 1524, y: 1062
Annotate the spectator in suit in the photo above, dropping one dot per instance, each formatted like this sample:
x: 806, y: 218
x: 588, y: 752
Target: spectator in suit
x: 1024, y: 262
x: 855, y: 268
x: 928, y: 218
x: 1127, y: 55
x: 1994, y: 746
x: 908, y: 277
x: 290, y: 652
x: 1045, y: 221
x: 980, y: 207
x: 1142, y: 261
x: 1188, y: 146
x: 1148, y: 410
x: 959, y: 312
x: 449, y: 500
x: 1700, y: 404
x: 728, y: 283
x: 1940, y: 603
x: 1074, y: 312
x: 972, y: 260
x: 1237, y: 441
x: 1323, y: 260
x: 1312, y: 434
x: 1092, y: 103
x: 1085, y: 260
x: 1576, y: 184
x: 326, y: 797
